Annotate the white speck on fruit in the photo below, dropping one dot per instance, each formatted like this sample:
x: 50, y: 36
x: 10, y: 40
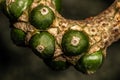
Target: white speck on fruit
x: 75, y: 41
x: 44, y: 11
x: 40, y: 48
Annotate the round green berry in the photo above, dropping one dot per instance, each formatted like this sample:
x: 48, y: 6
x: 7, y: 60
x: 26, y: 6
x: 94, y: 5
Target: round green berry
x: 43, y: 44
x: 18, y: 36
x: 74, y: 42
x: 16, y: 7
x: 42, y: 17
x: 89, y: 63
x: 57, y: 64
x: 57, y: 4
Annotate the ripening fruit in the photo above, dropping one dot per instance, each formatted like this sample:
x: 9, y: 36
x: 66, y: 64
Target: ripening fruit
x: 43, y: 44
x: 89, y: 63
x: 58, y: 64
x: 74, y: 42
x: 18, y: 36
x: 16, y: 7
x: 42, y: 17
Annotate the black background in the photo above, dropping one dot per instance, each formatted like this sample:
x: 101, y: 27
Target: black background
x: 18, y: 63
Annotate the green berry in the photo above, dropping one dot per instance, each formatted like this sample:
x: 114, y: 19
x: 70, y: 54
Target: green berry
x: 89, y: 63
x: 57, y: 64
x: 74, y: 42
x: 42, y: 17
x: 57, y: 4
x: 43, y: 44
x: 16, y: 7
x: 18, y: 36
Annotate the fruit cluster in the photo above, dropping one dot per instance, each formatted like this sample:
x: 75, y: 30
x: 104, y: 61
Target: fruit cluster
x: 60, y: 42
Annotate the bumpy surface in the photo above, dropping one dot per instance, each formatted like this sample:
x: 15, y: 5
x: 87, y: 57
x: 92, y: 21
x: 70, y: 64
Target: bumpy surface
x: 64, y: 41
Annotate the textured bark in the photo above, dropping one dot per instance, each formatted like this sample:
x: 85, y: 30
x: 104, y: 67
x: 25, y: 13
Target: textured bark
x: 102, y: 30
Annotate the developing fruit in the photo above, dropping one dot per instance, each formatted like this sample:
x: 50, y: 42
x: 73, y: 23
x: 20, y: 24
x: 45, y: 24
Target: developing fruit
x: 74, y: 42
x: 57, y: 64
x: 43, y: 44
x: 89, y: 63
x: 42, y: 17
x: 18, y: 36
x: 16, y: 7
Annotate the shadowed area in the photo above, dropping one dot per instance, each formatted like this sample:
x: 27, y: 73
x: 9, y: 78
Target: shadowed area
x: 81, y: 9
x: 20, y: 63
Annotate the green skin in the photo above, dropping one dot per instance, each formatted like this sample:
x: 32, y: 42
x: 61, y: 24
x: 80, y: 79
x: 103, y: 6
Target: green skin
x: 57, y: 4
x: 71, y: 50
x: 57, y: 65
x: 18, y: 36
x: 46, y: 40
x: 41, y: 21
x: 89, y: 63
x: 15, y: 9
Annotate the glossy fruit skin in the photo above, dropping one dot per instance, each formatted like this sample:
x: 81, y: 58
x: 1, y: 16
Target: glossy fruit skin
x: 40, y: 20
x: 73, y: 50
x: 16, y: 8
x: 57, y: 4
x: 57, y: 65
x: 89, y: 63
x: 18, y: 36
x: 43, y: 44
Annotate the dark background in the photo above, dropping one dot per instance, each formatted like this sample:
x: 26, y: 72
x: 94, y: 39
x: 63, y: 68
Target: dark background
x: 18, y: 63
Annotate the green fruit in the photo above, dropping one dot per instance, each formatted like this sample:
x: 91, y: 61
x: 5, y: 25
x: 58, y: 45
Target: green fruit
x: 74, y: 42
x: 16, y: 8
x: 18, y: 36
x: 89, y: 63
x: 42, y: 17
x: 57, y: 64
x: 43, y: 44
x: 57, y: 4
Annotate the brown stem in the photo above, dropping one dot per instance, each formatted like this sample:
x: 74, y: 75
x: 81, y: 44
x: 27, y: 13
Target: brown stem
x: 103, y: 29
